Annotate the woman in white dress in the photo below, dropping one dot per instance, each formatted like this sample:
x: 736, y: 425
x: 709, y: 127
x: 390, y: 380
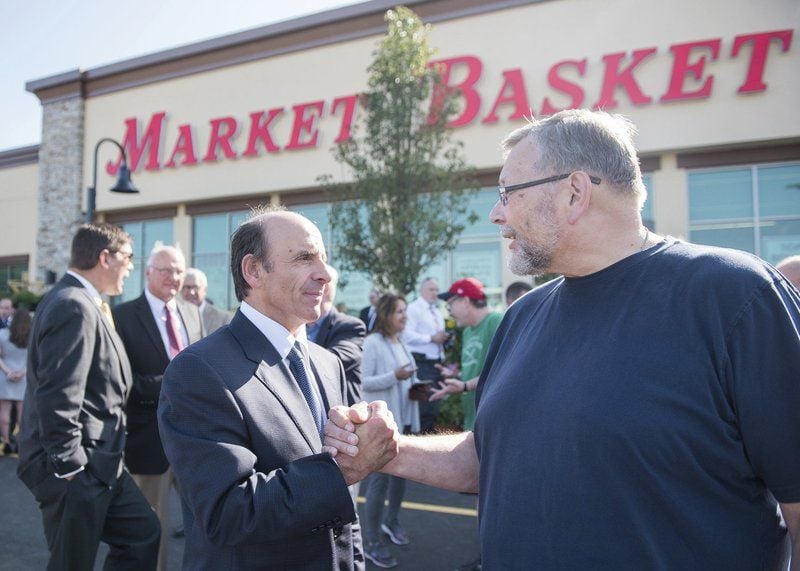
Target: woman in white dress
x: 13, y: 359
x: 387, y: 372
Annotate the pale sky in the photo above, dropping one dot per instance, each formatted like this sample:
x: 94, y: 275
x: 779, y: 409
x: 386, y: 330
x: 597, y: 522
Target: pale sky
x: 40, y: 38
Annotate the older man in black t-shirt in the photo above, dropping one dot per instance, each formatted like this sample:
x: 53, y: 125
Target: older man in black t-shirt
x: 640, y: 412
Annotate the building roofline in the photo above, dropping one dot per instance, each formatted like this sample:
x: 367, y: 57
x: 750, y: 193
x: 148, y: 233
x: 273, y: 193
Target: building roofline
x: 347, y: 22
x: 19, y: 156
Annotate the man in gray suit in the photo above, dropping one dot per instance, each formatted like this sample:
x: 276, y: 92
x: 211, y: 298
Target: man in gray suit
x: 195, y: 290
x: 241, y: 416
x: 73, y: 428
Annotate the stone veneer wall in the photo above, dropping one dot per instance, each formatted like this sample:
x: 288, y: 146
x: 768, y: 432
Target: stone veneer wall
x: 60, y: 183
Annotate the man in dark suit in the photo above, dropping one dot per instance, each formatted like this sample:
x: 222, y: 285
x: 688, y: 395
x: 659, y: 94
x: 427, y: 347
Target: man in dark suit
x: 241, y: 414
x: 154, y: 327
x: 195, y: 290
x: 342, y: 335
x: 6, y: 311
x: 73, y: 428
x: 367, y: 314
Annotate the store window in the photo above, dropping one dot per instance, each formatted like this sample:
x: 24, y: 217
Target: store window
x: 12, y: 268
x: 753, y: 208
x: 145, y: 234
x: 211, y: 253
x: 478, y: 254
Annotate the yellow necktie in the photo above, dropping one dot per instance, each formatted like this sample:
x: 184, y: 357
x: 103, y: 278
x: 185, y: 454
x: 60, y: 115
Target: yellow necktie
x: 106, y: 309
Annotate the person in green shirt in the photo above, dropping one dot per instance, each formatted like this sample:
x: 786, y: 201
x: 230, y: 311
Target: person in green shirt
x: 466, y: 302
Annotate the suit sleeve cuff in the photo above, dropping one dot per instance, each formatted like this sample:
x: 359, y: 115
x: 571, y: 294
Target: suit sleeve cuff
x: 62, y: 476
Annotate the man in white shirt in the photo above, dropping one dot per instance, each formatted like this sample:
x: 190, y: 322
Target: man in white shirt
x: 154, y: 327
x: 425, y: 336
x: 241, y: 416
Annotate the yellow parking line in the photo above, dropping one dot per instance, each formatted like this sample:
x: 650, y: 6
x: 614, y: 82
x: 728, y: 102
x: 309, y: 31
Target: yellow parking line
x: 433, y: 508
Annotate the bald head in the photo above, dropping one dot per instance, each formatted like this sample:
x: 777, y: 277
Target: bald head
x: 790, y: 267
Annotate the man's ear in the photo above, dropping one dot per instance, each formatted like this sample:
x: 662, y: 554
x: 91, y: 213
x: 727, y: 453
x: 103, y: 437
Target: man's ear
x: 252, y: 270
x: 102, y: 259
x: 580, y: 196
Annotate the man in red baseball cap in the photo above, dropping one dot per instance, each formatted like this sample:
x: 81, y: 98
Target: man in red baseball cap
x: 466, y: 302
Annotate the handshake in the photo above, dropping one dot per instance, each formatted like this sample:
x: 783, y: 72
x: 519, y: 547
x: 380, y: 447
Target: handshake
x: 362, y: 438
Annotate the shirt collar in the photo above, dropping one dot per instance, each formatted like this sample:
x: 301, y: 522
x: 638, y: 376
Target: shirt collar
x: 276, y: 334
x: 156, y: 305
x: 87, y: 285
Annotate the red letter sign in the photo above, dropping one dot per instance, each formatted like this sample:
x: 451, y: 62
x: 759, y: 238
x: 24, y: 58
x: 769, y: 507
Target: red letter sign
x: 681, y: 68
x: 260, y: 132
x: 517, y: 95
x: 560, y: 84
x: 305, y: 124
x: 134, y: 150
x: 184, y: 145
x: 220, y: 139
x: 758, y: 57
x: 349, y: 102
x: 464, y: 89
x: 615, y: 77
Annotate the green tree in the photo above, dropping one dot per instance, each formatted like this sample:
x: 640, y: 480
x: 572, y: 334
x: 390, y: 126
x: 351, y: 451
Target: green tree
x: 407, y: 203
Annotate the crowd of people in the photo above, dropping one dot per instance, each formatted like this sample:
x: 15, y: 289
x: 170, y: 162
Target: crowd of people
x: 638, y: 412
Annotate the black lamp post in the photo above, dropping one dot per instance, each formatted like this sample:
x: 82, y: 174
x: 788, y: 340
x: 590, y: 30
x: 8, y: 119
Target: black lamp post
x: 123, y: 184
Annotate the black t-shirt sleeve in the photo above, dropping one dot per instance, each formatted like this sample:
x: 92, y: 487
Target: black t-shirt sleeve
x: 763, y: 370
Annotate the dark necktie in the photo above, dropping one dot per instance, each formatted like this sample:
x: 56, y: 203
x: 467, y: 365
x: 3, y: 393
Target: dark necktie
x: 173, y: 334
x: 299, y: 371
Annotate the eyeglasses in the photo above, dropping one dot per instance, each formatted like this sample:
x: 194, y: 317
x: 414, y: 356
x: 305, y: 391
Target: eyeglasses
x: 504, y: 191
x: 126, y: 256
x: 168, y: 272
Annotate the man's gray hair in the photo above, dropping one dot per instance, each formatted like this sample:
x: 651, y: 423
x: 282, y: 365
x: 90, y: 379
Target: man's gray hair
x: 592, y: 141
x: 160, y: 247
x: 199, y: 277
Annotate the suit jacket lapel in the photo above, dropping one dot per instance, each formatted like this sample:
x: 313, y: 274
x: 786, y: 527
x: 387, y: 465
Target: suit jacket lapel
x: 122, y: 356
x: 145, y: 316
x: 330, y: 390
x: 191, y: 321
x: 276, y: 377
x: 325, y: 328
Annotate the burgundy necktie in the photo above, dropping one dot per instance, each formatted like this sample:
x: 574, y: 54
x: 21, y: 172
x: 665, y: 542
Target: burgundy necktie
x: 173, y: 334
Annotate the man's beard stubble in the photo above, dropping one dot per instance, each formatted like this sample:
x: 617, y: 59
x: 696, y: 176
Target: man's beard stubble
x: 532, y: 259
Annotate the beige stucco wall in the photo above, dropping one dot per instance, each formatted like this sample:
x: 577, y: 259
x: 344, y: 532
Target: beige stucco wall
x: 532, y: 38
x: 19, y: 200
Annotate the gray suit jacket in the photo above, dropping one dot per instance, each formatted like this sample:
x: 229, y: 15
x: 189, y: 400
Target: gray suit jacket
x: 78, y: 381
x: 256, y: 490
x: 214, y: 318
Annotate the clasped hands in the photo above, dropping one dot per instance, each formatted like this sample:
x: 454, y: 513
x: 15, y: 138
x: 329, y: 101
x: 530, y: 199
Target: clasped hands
x: 362, y: 438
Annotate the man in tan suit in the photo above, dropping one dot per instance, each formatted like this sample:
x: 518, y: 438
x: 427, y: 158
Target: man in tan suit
x: 194, y: 290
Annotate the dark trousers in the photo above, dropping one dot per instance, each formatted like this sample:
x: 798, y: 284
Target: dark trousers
x: 428, y: 410
x: 79, y: 514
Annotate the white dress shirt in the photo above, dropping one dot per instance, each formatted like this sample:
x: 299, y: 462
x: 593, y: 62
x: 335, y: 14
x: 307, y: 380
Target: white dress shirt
x: 424, y: 321
x: 283, y: 341
x: 157, y: 307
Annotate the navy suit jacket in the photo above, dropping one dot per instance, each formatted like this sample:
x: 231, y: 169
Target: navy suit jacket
x: 256, y: 489
x: 343, y: 335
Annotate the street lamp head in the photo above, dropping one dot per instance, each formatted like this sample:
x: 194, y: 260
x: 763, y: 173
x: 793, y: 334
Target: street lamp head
x: 124, y: 182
